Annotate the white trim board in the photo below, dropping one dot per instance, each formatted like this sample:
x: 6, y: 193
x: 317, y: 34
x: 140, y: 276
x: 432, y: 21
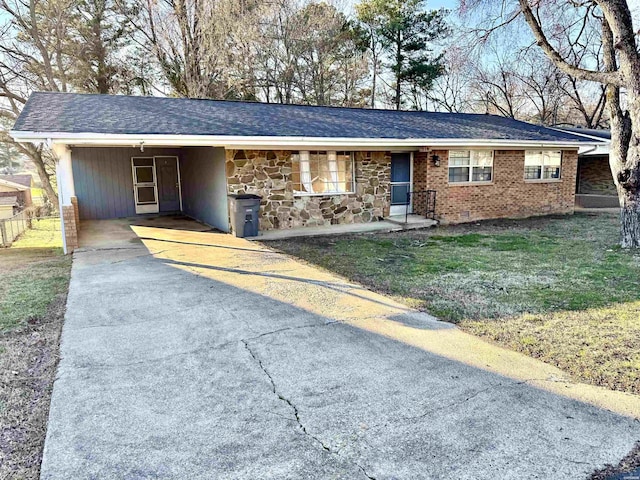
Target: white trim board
x: 239, y: 142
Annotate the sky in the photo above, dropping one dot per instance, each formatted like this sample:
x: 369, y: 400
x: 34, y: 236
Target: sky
x: 634, y: 5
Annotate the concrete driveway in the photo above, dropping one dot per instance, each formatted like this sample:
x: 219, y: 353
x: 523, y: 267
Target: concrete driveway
x: 194, y: 355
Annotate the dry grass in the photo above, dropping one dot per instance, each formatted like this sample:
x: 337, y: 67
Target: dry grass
x: 596, y: 345
x: 556, y: 288
x: 28, y: 361
x: 35, y: 278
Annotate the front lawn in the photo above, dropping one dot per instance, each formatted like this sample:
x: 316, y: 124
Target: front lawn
x: 556, y: 288
x: 34, y: 278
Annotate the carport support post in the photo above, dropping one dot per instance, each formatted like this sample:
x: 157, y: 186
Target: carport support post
x: 66, y: 197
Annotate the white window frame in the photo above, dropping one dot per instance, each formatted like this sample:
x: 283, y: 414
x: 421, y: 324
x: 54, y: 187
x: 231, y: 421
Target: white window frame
x: 471, y: 166
x: 329, y: 154
x: 541, y: 179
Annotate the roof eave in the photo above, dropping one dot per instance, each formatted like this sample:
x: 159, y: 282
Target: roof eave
x: 17, y: 186
x: 581, y: 134
x: 150, y: 140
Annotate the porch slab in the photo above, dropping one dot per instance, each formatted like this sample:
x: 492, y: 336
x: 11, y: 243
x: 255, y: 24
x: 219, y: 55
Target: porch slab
x: 597, y: 201
x: 380, y: 227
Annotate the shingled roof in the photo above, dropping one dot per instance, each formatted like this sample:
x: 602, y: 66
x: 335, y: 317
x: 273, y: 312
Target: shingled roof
x: 118, y: 114
x: 24, y: 180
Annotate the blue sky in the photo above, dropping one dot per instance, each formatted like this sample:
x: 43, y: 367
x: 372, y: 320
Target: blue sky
x: 450, y: 4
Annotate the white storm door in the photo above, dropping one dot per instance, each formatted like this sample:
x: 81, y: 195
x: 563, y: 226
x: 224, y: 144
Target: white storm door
x: 145, y: 185
x: 401, y: 181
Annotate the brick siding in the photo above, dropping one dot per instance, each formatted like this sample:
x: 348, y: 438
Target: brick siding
x: 268, y: 174
x: 508, y: 196
x: 71, y: 224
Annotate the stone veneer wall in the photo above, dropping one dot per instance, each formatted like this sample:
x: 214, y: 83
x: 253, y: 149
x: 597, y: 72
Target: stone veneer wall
x: 508, y: 196
x: 268, y: 173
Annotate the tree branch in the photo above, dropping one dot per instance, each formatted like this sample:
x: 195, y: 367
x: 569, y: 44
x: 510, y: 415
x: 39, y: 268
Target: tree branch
x: 610, y: 77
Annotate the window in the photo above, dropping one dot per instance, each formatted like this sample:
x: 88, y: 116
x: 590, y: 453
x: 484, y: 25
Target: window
x: 322, y: 172
x: 470, y: 166
x: 542, y: 165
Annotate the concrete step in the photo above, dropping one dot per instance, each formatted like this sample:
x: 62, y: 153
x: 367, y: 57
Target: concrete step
x: 412, y: 222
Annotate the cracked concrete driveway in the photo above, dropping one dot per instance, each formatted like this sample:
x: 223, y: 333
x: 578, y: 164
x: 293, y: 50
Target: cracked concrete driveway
x: 195, y: 355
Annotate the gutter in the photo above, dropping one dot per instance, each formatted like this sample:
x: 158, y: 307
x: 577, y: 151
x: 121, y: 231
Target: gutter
x: 239, y: 142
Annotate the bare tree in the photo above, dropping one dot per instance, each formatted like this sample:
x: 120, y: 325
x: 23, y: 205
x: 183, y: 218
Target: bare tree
x: 587, y: 99
x: 32, y: 57
x: 301, y: 53
x: 555, y: 23
x: 56, y: 46
x: 543, y: 87
x: 452, y: 91
x: 621, y: 71
x: 497, y: 85
x: 189, y: 40
x: 330, y: 56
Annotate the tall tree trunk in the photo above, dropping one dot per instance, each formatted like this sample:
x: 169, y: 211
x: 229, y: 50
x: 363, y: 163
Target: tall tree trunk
x: 45, y: 179
x: 624, y: 159
x: 373, y: 81
x: 622, y: 69
x: 37, y: 157
x: 398, y: 68
x: 624, y: 151
x: 629, y: 219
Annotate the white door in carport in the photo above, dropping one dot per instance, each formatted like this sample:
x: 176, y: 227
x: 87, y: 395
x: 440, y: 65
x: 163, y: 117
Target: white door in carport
x: 145, y: 184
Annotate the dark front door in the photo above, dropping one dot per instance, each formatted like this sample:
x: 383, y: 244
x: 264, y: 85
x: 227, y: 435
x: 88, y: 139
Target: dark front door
x: 168, y: 184
x: 400, y: 182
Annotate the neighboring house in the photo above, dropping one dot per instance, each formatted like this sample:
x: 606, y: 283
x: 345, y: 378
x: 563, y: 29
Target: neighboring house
x: 15, y: 193
x: 120, y: 156
x: 8, y: 207
x: 594, y: 182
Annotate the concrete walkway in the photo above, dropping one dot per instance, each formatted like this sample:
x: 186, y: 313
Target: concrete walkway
x: 195, y: 355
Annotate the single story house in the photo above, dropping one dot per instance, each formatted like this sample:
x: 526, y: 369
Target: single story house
x: 121, y: 156
x: 15, y: 194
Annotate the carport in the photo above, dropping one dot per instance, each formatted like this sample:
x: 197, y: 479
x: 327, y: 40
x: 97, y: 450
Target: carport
x: 123, y: 182
x: 129, y: 182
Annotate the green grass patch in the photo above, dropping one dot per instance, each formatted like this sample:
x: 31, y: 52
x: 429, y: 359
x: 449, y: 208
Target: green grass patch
x: 44, y: 233
x: 33, y: 271
x: 545, y: 286
x: 27, y: 292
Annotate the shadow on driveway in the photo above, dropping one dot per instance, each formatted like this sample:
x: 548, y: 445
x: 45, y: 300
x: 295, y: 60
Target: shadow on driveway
x: 199, y: 355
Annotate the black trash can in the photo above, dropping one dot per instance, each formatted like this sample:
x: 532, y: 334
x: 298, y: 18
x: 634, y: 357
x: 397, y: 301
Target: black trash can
x: 244, y: 210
